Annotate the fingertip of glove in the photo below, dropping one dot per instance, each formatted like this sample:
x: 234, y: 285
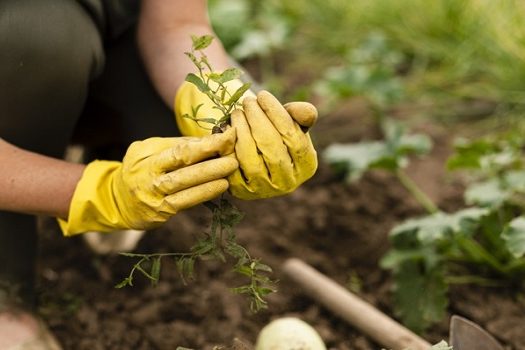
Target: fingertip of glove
x: 225, y: 141
x: 229, y: 133
x: 264, y: 94
x: 220, y: 185
x: 302, y: 112
x: 249, y: 100
x: 264, y: 98
x: 233, y: 163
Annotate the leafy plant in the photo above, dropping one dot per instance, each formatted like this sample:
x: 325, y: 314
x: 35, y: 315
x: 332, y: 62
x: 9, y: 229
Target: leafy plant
x: 389, y: 154
x: 213, y: 84
x: 220, y: 242
x: 482, y: 244
x: 370, y: 70
x: 258, y: 29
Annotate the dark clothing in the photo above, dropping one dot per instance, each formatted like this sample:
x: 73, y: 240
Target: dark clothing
x: 69, y: 70
x: 112, y: 17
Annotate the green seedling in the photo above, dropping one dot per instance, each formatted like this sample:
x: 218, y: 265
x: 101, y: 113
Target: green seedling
x: 481, y: 244
x: 213, y: 84
x: 220, y: 242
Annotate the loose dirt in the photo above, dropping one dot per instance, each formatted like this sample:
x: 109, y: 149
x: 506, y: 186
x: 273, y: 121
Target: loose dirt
x: 339, y: 228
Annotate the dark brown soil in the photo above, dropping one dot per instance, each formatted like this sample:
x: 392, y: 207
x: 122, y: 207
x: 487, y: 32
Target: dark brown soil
x: 341, y: 229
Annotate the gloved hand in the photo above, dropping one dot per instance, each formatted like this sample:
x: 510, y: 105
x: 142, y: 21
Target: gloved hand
x: 273, y: 147
x: 274, y: 150
x: 157, y: 178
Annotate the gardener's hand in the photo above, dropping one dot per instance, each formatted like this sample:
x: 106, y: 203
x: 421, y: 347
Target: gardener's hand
x: 157, y: 178
x: 274, y: 150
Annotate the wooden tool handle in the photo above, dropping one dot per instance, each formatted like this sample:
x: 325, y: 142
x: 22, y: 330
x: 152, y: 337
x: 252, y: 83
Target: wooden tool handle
x: 357, y: 312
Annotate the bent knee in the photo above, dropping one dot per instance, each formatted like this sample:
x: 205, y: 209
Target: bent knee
x: 48, y: 39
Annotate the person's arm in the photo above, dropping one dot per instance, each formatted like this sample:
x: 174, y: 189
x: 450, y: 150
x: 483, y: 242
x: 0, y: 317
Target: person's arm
x: 275, y: 154
x: 36, y: 184
x: 164, y: 34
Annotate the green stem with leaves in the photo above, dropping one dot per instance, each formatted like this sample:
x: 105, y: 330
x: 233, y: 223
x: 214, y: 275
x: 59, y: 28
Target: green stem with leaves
x: 217, y: 244
x: 220, y: 242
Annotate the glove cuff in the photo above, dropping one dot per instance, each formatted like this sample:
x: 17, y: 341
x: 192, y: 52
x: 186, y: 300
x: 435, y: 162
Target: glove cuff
x: 93, y: 206
x: 188, y: 97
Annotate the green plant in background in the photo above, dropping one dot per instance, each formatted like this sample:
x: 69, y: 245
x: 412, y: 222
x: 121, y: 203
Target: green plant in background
x: 370, y: 70
x: 220, y: 242
x: 259, y: 27
x: 254, y: 30
x: 457, y: 51
x: 459, y: 59
x: 482, y: 244
x: 390, y: 154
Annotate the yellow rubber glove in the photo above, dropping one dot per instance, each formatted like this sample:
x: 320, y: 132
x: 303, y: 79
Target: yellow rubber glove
x: 275, y: 153
x: 189, y: 97
x: 157, y: 178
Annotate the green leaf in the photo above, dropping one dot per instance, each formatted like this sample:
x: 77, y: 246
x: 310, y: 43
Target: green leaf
x: 468, y: 154
x: 476, y: 252
x: 238, y: 94
x: 202, y: 247
x: 235, y: 250
x: 128, y: 281
x: 360, y: 157
x: 244, y: 270
x: 487, y: 156
x: 440, y: 225
x: 194, y: 59
x: 514, y: 236
x: 195, y: 110
x: 201, y: 120
x: 228, y: 75
x: 197, y: 81
x: 262, y: 267
x: 201, y: 42
x: 155, y: 270
x: 495, y: 192
x: 185, y: 267
x: 401, y: 142
x: 263, y: 291
x: 242, y: 290
x: 396, y: 257
x: 420, y: 295
x: 414, y: 144
x: 487, y: 194
x: 514, y: 181
x: 389, y: 155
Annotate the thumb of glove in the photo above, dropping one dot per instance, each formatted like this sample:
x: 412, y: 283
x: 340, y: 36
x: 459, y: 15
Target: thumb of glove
x: 304, y: 113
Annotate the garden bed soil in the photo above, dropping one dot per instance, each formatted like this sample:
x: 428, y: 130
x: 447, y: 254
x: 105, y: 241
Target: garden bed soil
x: 341, y: 229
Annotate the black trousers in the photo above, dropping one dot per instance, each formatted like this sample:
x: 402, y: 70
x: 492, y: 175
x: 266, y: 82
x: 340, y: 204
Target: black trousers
x: 63, y: 81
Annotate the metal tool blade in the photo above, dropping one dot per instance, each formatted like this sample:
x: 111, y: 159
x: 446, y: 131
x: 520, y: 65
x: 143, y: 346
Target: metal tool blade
x: 467, y: 335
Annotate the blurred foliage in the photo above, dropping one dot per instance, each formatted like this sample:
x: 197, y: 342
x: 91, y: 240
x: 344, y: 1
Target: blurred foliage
x: 482, y: 243
x: 369, y: 70
x: 448, y: 59
x: 249, y: 28
x: 439, y: 54
x: 389, y: 154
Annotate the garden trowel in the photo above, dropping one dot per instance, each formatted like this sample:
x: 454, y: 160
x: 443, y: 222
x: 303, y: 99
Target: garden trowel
x: 467, y: 335
x: 464, y: 334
